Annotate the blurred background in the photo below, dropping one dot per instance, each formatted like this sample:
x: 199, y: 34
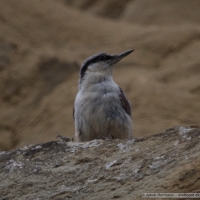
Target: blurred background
x: 43, y: 43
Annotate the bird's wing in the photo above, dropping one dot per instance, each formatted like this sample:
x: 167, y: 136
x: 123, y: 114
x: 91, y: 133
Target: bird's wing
x: 125, y: 104
x: 73, y: 112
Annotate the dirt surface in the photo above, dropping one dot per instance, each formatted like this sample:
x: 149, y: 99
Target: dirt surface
x: 144, y: 12
x: 167, y: 162
x: 43, y: 43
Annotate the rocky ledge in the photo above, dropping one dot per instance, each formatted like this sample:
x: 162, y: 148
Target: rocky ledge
x: 104, y: 169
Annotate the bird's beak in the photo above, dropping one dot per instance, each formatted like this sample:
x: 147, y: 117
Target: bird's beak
x: 118, y: 57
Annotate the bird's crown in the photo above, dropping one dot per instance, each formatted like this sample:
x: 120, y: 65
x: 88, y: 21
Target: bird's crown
x: 100, y: 57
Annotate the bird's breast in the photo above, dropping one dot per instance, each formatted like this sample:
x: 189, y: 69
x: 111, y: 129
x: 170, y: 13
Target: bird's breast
x: 100, y: 100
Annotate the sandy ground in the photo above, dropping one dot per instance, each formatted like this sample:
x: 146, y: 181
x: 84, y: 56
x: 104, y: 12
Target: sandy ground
x: 43, y: 43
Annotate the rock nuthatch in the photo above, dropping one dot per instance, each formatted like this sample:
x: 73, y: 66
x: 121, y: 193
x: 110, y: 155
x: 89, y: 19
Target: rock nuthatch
x: 101, y: 108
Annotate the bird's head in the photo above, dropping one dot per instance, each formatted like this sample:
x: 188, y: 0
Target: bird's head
x: 101, y: 63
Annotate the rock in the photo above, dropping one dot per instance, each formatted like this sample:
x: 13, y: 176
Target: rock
x: 165, y: 162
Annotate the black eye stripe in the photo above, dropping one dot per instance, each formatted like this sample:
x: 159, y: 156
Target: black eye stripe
x: 101, y: 57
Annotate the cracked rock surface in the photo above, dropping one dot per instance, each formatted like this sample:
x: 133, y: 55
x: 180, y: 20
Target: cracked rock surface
x: 124, y: 169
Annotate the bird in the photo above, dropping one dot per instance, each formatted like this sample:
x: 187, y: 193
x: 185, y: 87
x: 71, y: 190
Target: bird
x: 101, y: 107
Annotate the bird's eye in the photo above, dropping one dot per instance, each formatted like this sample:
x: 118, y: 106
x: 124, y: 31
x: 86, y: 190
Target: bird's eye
x: 101, y: 58
x: 104, y: 58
